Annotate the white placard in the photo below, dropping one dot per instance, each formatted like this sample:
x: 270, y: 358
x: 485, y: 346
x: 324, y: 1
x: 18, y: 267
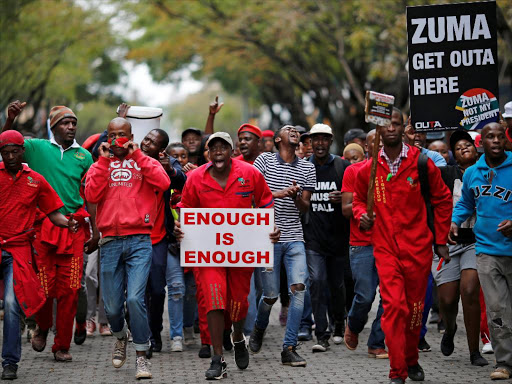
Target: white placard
x: 227, y: 237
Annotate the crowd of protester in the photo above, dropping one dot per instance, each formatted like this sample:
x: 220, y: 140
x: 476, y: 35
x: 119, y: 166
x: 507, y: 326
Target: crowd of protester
x: 90, y: 240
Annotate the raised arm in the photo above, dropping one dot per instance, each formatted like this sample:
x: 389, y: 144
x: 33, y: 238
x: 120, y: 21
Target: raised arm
x: 13, y: 110
x: 215, y: 107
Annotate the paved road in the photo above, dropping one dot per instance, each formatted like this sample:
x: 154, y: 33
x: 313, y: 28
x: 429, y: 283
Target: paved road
x: 92, y: 364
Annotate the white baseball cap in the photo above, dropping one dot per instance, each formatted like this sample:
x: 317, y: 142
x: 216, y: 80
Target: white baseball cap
x: 508, y: 110
x: 320, y: 128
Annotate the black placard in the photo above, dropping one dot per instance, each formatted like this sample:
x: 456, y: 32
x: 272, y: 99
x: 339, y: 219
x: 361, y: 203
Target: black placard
x: 453, y: 66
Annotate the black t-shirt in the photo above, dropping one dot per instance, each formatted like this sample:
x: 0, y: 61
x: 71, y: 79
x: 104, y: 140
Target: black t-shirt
x: 452, y: 177
x: 325, y: 229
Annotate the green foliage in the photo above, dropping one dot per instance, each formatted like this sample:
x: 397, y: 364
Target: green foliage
x: 55, y: 52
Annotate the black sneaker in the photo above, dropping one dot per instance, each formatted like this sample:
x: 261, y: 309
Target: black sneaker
x: 447, y: 345
x: 477, y: 359
x: 80, y: 336
x: 218, y: 369
x: 441, y: 327
x: 205, y: 352
x: 305, y: 334
x: 321, y: 346
x: 423, y: 346
x: 241, y: 354
x: 9, y: 372
x: 256, y: 339
x: 226, y: 340
x: 290, y: 357
x: 397, y: 380
x: 416, y: 373
x: 157, y: 344
x: 149, y: 352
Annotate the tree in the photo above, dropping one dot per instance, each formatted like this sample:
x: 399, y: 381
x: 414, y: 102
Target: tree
x: 54, y: 52
x: 280, y: 51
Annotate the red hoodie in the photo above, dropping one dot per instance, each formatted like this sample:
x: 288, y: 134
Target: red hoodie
x: 126, y: 192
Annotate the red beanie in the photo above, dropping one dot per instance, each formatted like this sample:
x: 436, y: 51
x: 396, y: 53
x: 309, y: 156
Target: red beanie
x: 251, y: 129
x: 11, y: 137
x: 268, y: 133
x: 58, y: 113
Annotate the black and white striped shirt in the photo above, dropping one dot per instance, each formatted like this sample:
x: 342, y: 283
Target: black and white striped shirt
x: 279, y: 175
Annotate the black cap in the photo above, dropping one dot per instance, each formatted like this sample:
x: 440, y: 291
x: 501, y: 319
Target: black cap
x: 459, y: 135
x: 304, y: 136
x: 354, y: 133
x: 191, y: 130
x: 300, y: 129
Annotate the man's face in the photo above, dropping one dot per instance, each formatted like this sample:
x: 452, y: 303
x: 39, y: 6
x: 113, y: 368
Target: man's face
x: 308, y: 147
x: 392, y: 134
x: 267, y: 144
x: 249, y: 144
x: 12, y: 156
x: 465, y: 152
x: 288, y: 136
x: 180, y: 154
x: 321, y: 144
x: 220, y: 154
x: 420, y: 139
x: 116, y: 131
x: 494, y: 140
x: 370, y: 141
x: 192, y: 142
x: 65, y: 130
x: 441, y: 148
x: 151, y: 145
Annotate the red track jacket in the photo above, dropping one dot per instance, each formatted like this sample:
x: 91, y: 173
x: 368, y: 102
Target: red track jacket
x: 399, y: 205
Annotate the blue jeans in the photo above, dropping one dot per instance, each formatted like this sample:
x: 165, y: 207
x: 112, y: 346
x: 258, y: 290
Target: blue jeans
x: 293, y: 255
x: 426, y: 307
x: 325, y: 275
x: 11, y: 347
x: 189, y: 302
x: 366, y: 281
x: 253, y: 299
x: 125, y: 263
x: 155, y: 291
x: 176, y: 292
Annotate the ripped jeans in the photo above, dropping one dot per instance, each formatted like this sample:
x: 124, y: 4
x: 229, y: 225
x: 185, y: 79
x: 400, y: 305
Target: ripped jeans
x: 175, y: 291
x: 293, y: 255
x: 495, y: 274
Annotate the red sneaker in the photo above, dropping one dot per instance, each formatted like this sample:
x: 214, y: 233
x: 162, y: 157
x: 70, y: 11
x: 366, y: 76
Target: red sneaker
x: 378, y: 353
x: 90, y: 326
x: 351, y: 339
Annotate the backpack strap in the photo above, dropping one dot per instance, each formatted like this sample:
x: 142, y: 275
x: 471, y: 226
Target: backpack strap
x: 425, y: 190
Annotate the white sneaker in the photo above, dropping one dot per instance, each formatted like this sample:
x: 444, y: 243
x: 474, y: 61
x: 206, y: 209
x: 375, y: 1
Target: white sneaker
x: 188, y: 335
x: 337, y: 339
x: 177, y: 344
x: 142, y: 365
x: 487, y: 349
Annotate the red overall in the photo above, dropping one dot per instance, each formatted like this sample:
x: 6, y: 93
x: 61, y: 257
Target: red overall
x: 402, y: 245
x: 224, y: 288
x: 59, y: 257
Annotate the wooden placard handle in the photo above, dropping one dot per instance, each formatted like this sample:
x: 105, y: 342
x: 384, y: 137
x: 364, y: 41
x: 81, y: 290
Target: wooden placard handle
x: 373, y: 172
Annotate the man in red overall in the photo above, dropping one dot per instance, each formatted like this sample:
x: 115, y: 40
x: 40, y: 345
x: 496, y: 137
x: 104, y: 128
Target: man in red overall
x: 225, y: 183
x: 22, y: 191
x: 402, y: 241
x: 59, y: 252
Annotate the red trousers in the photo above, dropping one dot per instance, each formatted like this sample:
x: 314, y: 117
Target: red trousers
x: 60, y: 275
x: 484, y: 328
x: 403, y: 284
x: 226, y: 289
